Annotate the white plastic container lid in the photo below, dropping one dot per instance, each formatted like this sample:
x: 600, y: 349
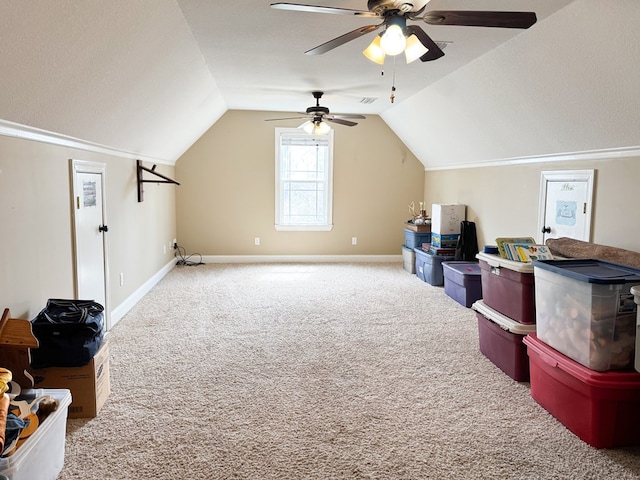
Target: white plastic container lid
x: 503, y: 321
x: 635, y: 291
x: 498, y: 261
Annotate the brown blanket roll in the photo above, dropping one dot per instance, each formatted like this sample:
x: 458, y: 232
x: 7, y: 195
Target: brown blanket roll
x: 571, y: 248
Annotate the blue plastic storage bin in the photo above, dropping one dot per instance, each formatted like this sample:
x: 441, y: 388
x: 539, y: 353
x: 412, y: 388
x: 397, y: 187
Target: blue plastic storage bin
x: 416, y: 239
x: 462, y: 281
x: 429, y: 267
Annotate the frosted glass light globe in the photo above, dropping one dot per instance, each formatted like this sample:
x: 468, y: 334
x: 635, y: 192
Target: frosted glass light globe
x: 393, y: 41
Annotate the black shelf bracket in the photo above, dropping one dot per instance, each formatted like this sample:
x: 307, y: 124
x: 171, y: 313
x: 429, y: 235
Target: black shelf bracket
x: 152, y: 170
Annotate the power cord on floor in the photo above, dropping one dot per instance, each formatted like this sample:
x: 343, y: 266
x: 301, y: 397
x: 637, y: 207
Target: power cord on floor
x: 184, y: 259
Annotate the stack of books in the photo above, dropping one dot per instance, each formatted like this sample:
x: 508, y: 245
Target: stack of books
x: 522, y: 249
x: 440, y: 251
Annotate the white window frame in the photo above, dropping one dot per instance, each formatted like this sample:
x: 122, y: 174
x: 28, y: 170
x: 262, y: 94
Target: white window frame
x: 279, y: 225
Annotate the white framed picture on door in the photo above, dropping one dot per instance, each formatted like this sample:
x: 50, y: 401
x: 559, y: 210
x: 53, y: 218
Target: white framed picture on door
x: 566, y: 199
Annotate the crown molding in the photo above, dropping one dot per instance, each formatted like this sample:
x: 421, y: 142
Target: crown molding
x: 16, y: 130
x: 603, y: 154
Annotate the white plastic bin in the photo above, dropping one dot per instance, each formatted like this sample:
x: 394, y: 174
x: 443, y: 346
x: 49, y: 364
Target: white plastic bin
x: 41, y: 457
x: 585, y: 310
x: 635, y: 290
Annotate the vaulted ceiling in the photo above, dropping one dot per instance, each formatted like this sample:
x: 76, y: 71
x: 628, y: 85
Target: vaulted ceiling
x: 149, y: 77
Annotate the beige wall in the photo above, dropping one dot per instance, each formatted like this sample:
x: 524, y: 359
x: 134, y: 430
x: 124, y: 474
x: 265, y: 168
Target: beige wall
x: 227, y: 193
x: 503, y: 201
x: 226, y: 199
x: 36, y: 247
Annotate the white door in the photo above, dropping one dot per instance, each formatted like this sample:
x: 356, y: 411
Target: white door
x: 566, y: 198
x: 90, y: 233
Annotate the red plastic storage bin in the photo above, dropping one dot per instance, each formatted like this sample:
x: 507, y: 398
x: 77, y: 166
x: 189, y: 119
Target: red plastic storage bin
x: 602, y: 408
x: 508, y: 287
x: 500, y: 340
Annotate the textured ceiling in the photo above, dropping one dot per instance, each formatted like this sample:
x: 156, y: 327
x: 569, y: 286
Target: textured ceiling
x: 256, y: 53
x: 150, y: 76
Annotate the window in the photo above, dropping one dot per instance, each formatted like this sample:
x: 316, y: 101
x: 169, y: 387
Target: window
x: 304, y: 180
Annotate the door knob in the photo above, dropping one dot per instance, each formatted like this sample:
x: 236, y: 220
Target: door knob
x: 546, y: 229
x: 103, y: 228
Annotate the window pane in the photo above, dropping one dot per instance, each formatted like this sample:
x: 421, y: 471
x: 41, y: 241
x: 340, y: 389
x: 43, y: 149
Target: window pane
x: 304, y: 163
x: 304, y: 203
x: 304, y: 183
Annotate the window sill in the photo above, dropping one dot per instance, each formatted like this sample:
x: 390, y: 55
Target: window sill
x: 303, y: 228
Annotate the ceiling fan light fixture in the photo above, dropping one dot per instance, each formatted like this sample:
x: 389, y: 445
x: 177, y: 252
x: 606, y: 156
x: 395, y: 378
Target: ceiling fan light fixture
x: 374, y: 51
x: 414, y: 49
x: 315, y: 128
x: 393, y: 41
x: 321, y: 128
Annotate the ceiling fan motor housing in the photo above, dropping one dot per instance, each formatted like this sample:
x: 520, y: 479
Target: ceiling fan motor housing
x: 380, y: 7
x: 317, y: 110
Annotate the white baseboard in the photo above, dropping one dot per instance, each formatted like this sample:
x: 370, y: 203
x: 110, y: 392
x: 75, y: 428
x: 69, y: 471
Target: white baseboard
x: 301, y: 258
x: 122, y: 309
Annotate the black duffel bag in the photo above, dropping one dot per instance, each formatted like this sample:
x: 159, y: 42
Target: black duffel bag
x: 69, y: 333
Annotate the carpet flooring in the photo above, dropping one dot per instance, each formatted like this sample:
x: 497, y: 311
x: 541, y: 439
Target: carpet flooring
x: 319, y: 372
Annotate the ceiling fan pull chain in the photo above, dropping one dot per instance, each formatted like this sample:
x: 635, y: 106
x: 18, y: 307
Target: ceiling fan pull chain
x: 393, y: 82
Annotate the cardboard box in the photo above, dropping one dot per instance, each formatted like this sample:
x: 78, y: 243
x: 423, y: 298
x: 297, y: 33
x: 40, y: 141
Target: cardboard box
x: 445, y: 219
x: 449, y: 240
x: 89, y: 385
x: 418, y: 228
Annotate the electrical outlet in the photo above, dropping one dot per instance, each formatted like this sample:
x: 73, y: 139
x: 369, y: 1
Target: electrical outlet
x: 354, y: 240
x: 174, y: 244
x: 122, y: 279
x: 164, y: 249
x: 256, y: 241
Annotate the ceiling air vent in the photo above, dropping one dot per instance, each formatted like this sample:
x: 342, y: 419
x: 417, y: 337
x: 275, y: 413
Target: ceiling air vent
x: 368, y: 100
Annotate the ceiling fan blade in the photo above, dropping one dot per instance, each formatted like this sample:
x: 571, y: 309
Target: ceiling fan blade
x: 360, y: 117
x: 287, y: 118
x: 341, y: 122
x: 471, y: 18
x: 434, y: 50
x: 318, y: 9
x: 342, y: 39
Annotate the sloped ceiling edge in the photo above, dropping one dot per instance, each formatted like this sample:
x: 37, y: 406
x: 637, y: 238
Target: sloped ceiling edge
x: 561, y: 87
x: 128, y: 75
